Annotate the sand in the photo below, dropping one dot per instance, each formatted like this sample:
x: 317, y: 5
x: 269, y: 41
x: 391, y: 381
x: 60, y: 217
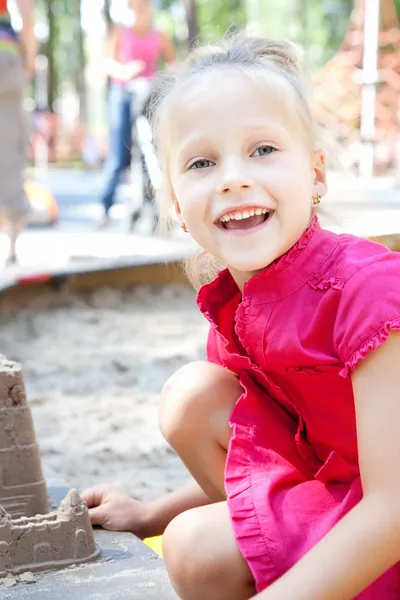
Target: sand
x: 93, y: 369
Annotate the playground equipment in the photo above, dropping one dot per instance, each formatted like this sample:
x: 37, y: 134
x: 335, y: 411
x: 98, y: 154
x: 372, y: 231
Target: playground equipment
x: 145, y: 167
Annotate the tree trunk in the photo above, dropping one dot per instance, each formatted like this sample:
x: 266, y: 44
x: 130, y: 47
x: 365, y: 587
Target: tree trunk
x: 192, y: 23
x: 51, y: 44
x: 107, y: 13
x: 81, y: 79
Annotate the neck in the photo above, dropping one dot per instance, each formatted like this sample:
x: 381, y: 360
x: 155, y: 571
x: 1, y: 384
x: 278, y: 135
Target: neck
x: 141, y: 30
x: 241, y: 277
x: 142, y: 26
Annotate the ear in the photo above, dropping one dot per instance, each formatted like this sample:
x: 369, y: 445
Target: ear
x: 176, y: 206
x: 320, y: 185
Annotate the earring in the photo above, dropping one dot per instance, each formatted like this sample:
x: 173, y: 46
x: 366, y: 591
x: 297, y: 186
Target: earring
x: 317, y: 199
x: 183, y: 226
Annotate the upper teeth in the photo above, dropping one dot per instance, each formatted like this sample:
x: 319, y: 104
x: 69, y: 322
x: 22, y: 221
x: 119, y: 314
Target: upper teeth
x: 245, y: 214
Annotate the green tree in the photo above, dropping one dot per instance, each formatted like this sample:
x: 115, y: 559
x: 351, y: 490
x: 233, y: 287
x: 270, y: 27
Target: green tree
x: 64, y: 48
x: 216, y: 17
x: 211, y: 18
x: 50, y: 51
x: 317, y: 25
x: 192, y: 21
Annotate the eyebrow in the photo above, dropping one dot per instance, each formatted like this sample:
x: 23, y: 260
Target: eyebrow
x: 267, y: 127
x: 192, y: 141
x: 258, y: 126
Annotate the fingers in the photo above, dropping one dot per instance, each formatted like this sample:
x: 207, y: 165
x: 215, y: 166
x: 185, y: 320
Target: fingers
x: 98, y: 515
x: 94, y: 496
x: 89, y: 497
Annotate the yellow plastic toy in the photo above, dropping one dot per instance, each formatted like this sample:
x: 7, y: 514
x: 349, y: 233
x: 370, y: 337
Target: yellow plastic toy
x: 155, y: 543
x: 43, y: 204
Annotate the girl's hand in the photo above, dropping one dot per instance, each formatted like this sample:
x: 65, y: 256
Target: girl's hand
x: 113, y: 509
x: 133, y: 69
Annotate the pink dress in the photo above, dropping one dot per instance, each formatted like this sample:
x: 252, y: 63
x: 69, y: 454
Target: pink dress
x: 147, y: 48
x: 293, y: 338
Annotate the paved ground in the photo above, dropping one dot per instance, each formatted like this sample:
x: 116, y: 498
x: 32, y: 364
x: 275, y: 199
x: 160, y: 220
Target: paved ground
x: 366, y: 208
x: 75, y: 242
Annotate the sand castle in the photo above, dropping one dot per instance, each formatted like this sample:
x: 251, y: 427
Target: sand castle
x: 47, y: 541
x: 31, y: 538
x: 22, y: 487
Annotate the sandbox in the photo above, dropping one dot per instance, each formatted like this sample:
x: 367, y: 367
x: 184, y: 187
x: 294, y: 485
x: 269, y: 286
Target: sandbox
x: 94, y: 365
x: 39, y: 533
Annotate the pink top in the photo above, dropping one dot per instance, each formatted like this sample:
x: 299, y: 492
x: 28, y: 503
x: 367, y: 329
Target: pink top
x: 293, y: 337
x: 140, y: 47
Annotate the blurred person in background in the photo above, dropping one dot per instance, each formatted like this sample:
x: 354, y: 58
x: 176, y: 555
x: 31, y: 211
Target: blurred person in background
x: 17, y: 63
x: 133, y: 52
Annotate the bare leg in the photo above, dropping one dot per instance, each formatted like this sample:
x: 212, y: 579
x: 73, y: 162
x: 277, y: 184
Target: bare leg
x: 195, y: 408
x: 194, y: 418
x: 200, y: 568
x: 13, y: 229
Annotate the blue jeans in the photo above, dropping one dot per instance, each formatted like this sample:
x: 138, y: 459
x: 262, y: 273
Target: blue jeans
x: 120, y: 141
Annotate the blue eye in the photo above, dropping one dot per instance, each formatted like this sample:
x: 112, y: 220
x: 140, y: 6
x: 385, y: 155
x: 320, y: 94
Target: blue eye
x: 264, y: 151
x: 202, y: 163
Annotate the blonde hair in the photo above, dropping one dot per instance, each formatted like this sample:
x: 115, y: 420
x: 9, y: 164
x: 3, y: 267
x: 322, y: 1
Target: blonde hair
x: 252, y: 56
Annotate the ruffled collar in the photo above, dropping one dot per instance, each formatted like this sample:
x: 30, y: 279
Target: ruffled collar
x: 279, y: 279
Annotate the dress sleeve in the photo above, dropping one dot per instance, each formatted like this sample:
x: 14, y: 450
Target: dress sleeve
x: 213, y: 354
x: 368, y: 311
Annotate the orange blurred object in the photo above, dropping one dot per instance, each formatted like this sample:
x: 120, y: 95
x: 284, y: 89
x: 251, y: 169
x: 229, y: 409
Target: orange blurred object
x: 43, y: 204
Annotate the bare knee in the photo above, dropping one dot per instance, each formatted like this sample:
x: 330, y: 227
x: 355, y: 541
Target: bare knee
x: 198, y: 566
x: 180, y: 551
x: 198, y: 397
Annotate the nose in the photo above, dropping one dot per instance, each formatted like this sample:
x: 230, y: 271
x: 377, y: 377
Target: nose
x: 234, y: 179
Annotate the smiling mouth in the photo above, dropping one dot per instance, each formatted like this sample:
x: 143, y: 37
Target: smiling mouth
x: 246, y: 219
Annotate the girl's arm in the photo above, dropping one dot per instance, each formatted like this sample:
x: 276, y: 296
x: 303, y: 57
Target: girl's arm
x: 112, y: 65
x: 167, y: 50
x: 115, y: 510
x: 163, y: 510
x: 366, y: 542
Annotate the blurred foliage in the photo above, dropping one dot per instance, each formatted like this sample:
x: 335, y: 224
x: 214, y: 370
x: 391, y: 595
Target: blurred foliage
x: 217, y: 17
x: 63, y: 46
x: 317, y: 25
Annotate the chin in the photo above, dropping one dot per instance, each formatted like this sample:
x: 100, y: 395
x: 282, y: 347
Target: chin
x: 252, y: 266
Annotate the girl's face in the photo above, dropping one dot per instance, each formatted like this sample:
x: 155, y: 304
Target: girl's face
x: 142, y: 9
x: 242, y: 176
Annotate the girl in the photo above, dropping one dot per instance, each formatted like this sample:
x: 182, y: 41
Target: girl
x: 290, y: 427
x: 134, y: 52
